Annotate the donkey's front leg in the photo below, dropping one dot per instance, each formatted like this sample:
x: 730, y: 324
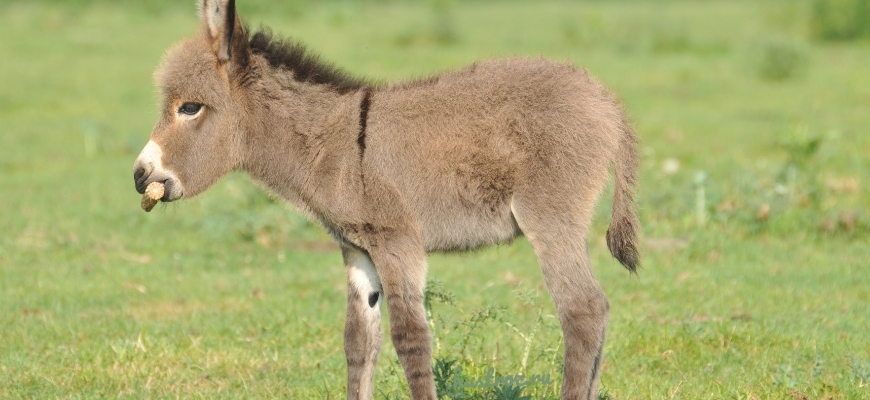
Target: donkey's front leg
x: 362, y: 328
x: 401, y: 264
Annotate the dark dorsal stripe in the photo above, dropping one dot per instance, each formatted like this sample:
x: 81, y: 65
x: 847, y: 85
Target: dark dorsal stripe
x: 306, y: 66
x: 363, y: 119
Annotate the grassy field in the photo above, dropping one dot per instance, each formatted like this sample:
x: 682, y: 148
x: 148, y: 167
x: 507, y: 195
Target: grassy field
x: 755, y: 280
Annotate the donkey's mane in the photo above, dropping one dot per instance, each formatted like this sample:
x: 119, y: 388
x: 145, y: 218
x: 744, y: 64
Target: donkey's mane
x: 306, y: 66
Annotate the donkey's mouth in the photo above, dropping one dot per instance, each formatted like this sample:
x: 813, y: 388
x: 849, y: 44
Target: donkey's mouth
x: 171, y: 188
x: 143, y: 176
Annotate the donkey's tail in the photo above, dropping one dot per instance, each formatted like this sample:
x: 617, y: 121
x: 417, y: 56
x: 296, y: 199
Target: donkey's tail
x: 623, y: 231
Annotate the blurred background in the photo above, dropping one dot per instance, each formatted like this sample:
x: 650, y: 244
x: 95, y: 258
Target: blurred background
x: 753, y: 117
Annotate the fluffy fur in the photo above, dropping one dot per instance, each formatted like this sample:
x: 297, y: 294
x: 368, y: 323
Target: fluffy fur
x: 461, y: 160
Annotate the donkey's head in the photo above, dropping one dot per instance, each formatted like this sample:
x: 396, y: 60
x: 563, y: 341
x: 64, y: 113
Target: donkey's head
x: 199, y: 135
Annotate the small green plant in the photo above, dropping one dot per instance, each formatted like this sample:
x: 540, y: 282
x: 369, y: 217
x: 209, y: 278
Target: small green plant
x: 435, y: 292
x: 475, y: 375
x: 474, y: 321
x: 444, y: 371
x: 509, y: 392
x: 604, y: 395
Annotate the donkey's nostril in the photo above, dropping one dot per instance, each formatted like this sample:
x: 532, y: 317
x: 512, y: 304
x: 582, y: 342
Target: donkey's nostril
x: 139, y: 178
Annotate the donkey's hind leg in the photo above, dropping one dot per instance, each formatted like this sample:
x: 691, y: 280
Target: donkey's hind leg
x: 559, y: 240
x: 362, y: 328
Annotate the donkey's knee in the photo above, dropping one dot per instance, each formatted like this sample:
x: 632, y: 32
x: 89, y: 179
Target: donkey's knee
x: 591, y: 304
x: 584, y: 322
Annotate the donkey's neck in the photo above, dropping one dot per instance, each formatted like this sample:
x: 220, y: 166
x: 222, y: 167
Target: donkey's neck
x: 302, y: 142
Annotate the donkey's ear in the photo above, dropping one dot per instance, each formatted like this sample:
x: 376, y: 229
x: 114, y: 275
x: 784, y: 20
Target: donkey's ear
x: 222, y: 26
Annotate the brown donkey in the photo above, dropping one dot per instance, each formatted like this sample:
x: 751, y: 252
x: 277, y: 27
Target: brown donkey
x: 458, y: 161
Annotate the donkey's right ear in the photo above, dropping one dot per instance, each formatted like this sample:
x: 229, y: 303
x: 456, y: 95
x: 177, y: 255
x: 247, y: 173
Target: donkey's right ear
x: 222, y: 27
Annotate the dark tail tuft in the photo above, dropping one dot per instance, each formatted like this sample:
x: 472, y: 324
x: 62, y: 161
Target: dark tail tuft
x: 624, y: 226
x: 622, y: 244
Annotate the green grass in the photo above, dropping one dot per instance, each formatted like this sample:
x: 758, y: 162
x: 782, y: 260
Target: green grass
x: 755, y: 281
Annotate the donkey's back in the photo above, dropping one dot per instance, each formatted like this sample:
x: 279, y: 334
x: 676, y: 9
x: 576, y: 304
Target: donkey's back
x: 464, y: 145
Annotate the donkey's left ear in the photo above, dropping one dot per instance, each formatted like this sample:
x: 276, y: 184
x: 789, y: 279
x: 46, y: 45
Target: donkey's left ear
x: 223, y: 27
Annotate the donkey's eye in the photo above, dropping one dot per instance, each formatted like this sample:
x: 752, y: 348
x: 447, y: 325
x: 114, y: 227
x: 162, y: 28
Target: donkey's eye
x: 189, y: 108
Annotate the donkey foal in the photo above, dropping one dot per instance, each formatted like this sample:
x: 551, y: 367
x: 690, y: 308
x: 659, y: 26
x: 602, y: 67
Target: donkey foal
x: 457, y: 161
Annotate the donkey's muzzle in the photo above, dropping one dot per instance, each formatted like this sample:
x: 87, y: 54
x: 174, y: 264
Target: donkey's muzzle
x: 149, y: 168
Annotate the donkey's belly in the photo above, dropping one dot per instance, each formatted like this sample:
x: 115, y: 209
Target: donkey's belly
x: 462, y: 228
